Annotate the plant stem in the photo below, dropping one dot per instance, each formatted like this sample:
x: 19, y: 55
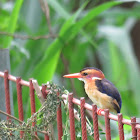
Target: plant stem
x: 11, y: 116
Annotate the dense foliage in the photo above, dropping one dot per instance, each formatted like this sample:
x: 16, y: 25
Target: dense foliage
x: 80, y: 33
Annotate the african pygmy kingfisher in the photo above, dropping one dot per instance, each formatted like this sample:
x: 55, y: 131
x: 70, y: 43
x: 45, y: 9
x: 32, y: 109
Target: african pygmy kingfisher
x: 100, y: 90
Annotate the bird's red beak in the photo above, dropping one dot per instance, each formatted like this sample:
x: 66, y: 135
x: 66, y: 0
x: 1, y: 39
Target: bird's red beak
x: 74, y: 75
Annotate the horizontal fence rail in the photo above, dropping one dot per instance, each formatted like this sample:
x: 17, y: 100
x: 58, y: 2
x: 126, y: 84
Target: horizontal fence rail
x: 71, y: 101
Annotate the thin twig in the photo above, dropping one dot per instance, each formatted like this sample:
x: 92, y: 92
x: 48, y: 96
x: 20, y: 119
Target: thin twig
x: 16, y: 129
x: 19, y: 120
x: 42, y: 100
x: 24, y: 37
x: 44, y: 132
x: 38, y: 91
x: 36, y: 137
x: 2, y: 112
x: 45, y: 9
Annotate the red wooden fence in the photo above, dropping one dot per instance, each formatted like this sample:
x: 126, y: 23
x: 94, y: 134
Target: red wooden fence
x: 119, y: 118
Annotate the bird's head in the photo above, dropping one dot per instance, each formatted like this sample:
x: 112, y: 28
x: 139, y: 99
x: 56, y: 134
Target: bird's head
x: 87, y: 74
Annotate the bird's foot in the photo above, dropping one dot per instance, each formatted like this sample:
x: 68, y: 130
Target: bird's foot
x: 99, y: 111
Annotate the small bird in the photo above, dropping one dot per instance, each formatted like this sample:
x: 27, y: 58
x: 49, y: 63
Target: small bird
x: 100, y: 90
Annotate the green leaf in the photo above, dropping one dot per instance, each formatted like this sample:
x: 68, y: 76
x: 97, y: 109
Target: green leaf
x: 90, y: 15
x: 49, y: 62
x: 46, y: 68
x: 59, y: 9
x: 13, y: 22
x: 118, y: 66
x: 69, y: 30
x: 80, y: 9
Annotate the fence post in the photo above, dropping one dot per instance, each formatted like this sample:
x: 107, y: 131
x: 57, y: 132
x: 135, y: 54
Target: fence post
x: 107, y: 125
x: 134, y: 130
x: 32, y: 100
x: 59, y: 121
x: 83, y: 119
x: 19, y: 99
x: 71, y: 117
x: 138, y: 131
x: 120, y: 126
x: 20, y: 104
x: 5, y: 65
x: 46, y: 137
x: 95, y: 122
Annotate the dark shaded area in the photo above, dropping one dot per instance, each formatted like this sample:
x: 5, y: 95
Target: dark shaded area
x: 135, y: 34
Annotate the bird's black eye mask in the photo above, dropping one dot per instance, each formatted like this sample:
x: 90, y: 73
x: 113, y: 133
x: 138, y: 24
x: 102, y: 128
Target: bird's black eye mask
x: 85, y: 74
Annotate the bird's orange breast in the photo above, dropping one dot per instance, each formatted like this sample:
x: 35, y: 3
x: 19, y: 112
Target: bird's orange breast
x: 100, y: 99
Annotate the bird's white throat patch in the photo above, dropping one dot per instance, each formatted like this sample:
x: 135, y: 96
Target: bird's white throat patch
x: 93, y: 78
x: 96, y: 78
x: 81, y: 79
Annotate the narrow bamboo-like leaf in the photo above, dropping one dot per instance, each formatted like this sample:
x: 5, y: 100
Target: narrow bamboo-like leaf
x: 68, y: 31
x: 49, y: 62
x: 118, y: 66
x: 59, y: 9
x: 81, y: 8
x: 13, y: 22
x: 46, y: 68
x: 92, y: 14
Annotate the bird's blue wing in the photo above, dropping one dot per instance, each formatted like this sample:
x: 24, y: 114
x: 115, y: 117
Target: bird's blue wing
x: 108, y: 88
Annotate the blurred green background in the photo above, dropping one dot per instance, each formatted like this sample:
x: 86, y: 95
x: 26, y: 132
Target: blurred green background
x: 102, y: 34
